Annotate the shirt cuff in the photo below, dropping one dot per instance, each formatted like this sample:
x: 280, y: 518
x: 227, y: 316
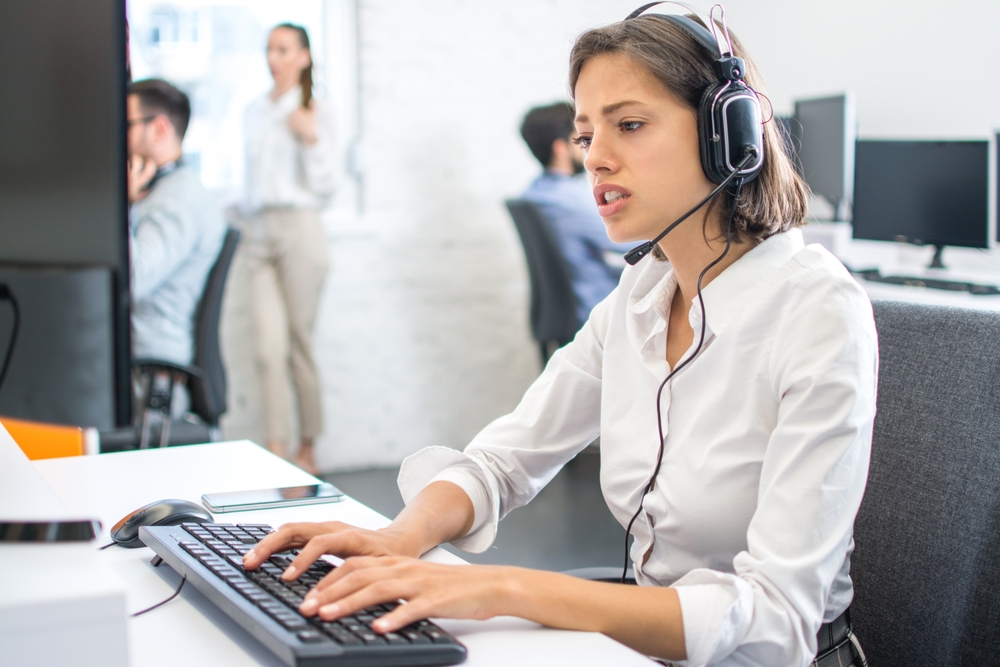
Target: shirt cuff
x: 435, y: 464
x: 716, y: 609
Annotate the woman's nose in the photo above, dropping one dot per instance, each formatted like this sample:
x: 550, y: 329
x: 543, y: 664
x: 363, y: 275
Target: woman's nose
x: 599, y: 157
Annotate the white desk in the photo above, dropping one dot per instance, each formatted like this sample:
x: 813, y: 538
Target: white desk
x: 189, y: 630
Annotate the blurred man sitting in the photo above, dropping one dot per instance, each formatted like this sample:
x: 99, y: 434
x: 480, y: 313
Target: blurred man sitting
x: 176, y: 227
x: 565, y: 198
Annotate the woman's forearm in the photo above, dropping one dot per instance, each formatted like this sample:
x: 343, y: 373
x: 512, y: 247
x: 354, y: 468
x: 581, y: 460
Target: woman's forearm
x: 645, y: 618
x: 440, y: 513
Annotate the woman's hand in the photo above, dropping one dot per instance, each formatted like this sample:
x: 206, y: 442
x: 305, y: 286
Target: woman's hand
x: 332, y: 537
x: 302, y: 122
x: 430, y: 589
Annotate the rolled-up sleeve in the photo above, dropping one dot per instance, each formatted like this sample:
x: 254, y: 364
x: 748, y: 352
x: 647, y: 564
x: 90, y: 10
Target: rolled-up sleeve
x: 769, y: 609
x: 513, y: 458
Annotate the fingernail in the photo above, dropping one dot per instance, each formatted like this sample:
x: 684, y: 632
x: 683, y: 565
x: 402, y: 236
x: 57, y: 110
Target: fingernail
x: 330, y: 610
x: 309, y: 606
x: 289, y: 573
x: 380, y: 625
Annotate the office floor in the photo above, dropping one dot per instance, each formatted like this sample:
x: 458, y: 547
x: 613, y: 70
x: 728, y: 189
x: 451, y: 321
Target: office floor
x: 568, y: 525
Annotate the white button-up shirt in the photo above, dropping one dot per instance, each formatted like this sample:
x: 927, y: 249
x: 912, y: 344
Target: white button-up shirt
x: 767, y: 436
x: 281, y: 171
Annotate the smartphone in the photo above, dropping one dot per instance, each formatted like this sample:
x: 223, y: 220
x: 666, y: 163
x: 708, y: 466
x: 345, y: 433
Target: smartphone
x: 238, y: 501
x: 49, y: 531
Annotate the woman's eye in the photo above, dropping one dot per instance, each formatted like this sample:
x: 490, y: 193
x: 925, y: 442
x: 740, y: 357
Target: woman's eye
x: 582, y: 142
x: 629, y: 125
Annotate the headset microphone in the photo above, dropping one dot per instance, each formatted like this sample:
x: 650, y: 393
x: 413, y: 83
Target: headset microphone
x: 633, y: 256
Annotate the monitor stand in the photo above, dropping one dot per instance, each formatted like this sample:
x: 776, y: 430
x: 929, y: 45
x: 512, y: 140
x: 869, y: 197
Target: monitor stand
x: 937, y: 262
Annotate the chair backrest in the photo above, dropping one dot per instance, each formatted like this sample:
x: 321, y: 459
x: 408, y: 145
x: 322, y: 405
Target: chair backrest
x: 208, y: 393
x: 45, y: 441
x: 926, y: 567
x: 553, y: 303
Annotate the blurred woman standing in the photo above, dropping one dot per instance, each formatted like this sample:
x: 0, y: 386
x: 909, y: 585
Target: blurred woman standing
x: 290, y: 175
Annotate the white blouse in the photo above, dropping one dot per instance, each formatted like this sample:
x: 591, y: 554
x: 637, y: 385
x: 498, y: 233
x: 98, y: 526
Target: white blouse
x: 282, y: 171
x: 767, y: 442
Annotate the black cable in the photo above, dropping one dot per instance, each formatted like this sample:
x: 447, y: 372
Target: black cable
x: 635, y: 254
x: 160, y: 604
x: 682, y: 364
x: 5, y: 293
x: 109, y: 544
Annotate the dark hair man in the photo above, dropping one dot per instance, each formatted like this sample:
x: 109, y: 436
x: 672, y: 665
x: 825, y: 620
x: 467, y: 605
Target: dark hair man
x: 565, y: 199
x: 176, y: 227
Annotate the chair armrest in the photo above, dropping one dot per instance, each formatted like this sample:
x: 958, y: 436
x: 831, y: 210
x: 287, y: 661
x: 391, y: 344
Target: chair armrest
x: 163, y: 365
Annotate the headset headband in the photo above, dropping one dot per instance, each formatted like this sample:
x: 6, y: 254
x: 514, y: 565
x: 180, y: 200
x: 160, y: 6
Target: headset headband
x: 709, y: 37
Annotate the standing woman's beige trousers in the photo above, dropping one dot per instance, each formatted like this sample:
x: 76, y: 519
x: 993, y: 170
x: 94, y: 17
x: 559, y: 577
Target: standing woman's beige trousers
x: 288, y: 258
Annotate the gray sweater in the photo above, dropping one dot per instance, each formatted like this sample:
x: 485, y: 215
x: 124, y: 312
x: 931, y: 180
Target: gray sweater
x: 176, y: 236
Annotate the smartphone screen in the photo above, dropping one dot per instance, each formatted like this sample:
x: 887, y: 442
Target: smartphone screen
x: 288, y: 496
x: 49, y: 531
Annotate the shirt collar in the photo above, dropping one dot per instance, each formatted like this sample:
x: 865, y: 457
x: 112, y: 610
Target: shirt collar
x: 735, y: 287
x: 288, y: 100
x: 725, y: 295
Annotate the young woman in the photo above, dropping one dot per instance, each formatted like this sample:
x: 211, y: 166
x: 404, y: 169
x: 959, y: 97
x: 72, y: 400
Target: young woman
x: 742, y: 543
x: 290, y: 174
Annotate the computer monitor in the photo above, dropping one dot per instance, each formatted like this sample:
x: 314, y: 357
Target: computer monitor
x: 923, y: 192
x: 827, y: 129
x: 64, y: 210
x: 996, y: 184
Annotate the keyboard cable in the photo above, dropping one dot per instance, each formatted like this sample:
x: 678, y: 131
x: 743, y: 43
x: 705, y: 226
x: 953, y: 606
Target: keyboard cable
x: 160, y: 604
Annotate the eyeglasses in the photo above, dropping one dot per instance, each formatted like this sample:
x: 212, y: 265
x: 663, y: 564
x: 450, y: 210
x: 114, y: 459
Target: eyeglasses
x: 136, y: 121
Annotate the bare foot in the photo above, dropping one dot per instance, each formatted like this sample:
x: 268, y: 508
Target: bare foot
x: 276, y: 447
x: 304, y: 458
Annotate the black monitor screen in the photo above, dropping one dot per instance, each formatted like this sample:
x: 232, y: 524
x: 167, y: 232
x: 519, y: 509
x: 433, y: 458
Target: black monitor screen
x: 922, y: 192
x: 825, y: 130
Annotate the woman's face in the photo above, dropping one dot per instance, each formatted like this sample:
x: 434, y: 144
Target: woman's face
x: 641, y: 145
x: 285, y: 56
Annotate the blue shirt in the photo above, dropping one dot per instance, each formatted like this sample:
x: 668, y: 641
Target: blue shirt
x: 568, y: 204
x: 177, y: 233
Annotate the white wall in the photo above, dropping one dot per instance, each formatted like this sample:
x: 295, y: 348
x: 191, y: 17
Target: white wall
x: 423, y: 335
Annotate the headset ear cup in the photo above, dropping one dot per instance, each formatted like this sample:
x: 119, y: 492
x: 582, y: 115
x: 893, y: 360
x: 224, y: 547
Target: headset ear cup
x: 729, y: 118
x: 710, y: 142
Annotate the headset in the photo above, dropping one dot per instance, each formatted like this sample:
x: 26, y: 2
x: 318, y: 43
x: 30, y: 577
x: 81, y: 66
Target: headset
x: 731, y: 142
x: 729, y: 116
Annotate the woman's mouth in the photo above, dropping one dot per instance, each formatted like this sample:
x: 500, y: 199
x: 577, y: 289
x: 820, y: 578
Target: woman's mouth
x: 610, y: 199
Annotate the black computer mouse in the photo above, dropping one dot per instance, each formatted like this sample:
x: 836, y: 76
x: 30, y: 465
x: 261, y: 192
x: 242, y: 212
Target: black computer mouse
x: 125, y: 533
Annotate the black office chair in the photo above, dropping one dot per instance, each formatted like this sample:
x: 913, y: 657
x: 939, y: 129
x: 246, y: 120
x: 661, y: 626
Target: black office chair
x: 205, y: 377
x: 553, y: 304
x: 926, y: 566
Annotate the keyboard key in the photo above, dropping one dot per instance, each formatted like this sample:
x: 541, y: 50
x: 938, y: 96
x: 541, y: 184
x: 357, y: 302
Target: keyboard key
x: 393, y: 638
x: 310, y: 636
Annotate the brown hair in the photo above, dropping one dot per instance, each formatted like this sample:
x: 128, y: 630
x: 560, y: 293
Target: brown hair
x: 306, y: 76
x: 156, y: 97
x: 773, y: 202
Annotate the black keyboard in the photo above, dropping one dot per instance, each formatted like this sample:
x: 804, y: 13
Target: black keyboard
x: 211, y: 555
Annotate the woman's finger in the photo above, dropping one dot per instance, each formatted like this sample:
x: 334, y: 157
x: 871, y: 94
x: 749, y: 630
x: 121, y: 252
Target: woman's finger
x: 354, y: 575
x: 403, y: 615
x: 377, y: 592
x: 288, y: 536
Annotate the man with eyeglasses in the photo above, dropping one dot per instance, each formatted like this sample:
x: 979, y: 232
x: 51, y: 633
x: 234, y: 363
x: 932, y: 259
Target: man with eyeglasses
x: 176, y: 227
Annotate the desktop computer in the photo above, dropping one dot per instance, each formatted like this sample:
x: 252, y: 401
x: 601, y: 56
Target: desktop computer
x: 64, y: 211
x: 923, y: 192
x: 823, y: 132
x: 926, y: 193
